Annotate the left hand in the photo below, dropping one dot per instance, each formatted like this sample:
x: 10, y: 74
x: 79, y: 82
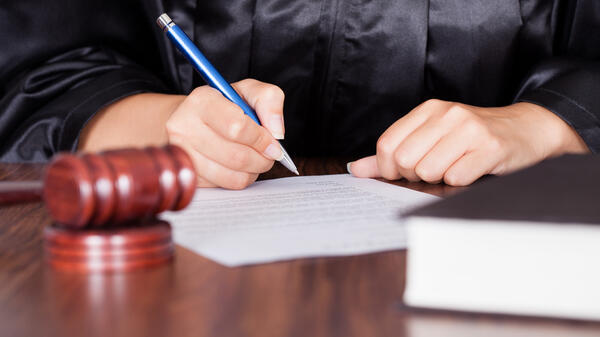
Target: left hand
x: 459, y: 143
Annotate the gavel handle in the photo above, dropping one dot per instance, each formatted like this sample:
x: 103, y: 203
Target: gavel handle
x: 13, y: 192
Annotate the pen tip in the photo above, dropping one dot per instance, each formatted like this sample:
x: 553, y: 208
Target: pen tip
x: 287, y: 161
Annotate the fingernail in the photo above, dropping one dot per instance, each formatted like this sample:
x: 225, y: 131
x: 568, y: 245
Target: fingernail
x: 276, y: 126
x: 348, y: 168
x: 274, y: 152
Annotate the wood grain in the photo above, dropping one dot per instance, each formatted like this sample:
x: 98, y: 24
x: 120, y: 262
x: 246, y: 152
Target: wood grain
x: 193, y: 296
x: 117, y: 186
x: 16, y: 192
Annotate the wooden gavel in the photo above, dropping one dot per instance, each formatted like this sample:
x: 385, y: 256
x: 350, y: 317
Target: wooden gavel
x: 113, y: 187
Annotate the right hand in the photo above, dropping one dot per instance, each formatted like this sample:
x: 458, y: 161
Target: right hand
x: 227, y: 147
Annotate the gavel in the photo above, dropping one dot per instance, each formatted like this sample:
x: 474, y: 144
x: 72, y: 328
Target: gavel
x: 110, y: 188
x: 104, y: 206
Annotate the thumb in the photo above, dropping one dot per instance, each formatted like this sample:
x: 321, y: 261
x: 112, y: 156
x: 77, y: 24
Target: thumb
x: 365, y: 168
x: 267, y: 100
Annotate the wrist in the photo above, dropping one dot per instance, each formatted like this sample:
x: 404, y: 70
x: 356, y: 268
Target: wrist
x: 134, y: 121
x: 554, y: 136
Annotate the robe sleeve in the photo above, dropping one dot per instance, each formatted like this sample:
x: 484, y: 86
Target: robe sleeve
x: 569, y: 83
x: 63, y: 61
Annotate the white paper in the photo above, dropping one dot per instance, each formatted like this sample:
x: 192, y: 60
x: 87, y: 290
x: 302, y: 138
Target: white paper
x: 295, y: 217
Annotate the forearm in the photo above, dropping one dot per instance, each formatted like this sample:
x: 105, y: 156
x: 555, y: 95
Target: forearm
x: 134, y: 121
x: 458, y: 143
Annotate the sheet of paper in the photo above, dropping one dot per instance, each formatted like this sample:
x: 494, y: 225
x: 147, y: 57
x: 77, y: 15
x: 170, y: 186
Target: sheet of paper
x: 295, y: 217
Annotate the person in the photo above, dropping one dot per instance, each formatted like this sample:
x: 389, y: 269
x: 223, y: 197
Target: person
x: 431, y: 90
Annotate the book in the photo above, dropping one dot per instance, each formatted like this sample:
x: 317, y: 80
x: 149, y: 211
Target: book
x: 527, y: 244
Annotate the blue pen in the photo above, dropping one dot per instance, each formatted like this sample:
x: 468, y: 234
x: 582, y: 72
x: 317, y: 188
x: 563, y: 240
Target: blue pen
x: 211, y: 75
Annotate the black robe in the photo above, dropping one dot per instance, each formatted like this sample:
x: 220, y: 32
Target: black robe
x: 349, y: 68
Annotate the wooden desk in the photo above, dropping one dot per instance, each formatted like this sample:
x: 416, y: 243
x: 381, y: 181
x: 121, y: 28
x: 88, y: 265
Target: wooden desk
x: 193, y: 296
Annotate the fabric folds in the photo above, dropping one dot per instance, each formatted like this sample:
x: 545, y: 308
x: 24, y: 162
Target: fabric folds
x: 47, y: 108
x: 349, y: 68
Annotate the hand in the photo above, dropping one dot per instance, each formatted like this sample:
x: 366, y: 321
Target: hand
x: 459, y: 143
x: 228, y: 148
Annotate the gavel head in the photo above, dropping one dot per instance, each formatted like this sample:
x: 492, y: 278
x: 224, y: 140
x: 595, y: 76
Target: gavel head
x: 114, y: 187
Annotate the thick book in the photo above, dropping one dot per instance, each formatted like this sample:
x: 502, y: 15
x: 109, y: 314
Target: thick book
x: 527, y: 244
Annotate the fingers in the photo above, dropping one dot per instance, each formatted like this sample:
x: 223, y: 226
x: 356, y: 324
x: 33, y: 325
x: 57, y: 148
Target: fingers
x: 229, y: 148
x: 214, y: 174
x: 209, y: 107
x: 442, y: 141
x: 365, y: 168
x: 232, y: 155
x: 446, y: 152
x: 469, y: 168
x: 267, y: 100
x: 228, y: 120
x: 204, y: 183
x: 390, y: 140
x: 414, y: 148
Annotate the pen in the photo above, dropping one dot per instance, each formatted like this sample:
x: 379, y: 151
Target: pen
x: 212, y: 76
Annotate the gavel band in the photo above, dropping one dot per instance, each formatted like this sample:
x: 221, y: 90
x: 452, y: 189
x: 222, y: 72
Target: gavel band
x: 112, y: 187
x: 118, y: 186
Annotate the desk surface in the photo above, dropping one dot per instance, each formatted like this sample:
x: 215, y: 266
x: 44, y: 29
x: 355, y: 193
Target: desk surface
x: 193, y: 296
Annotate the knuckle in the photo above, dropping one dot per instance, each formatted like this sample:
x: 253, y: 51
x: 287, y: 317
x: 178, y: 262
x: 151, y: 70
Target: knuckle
x: 389, y: 174
x: 262, y: 140
x: 409, y: 175
x: 240, y: 159
x: 173, y: 129
x: 450, y: 179
x: 495, y: 145
x: 471, y: 128
x: 453, y: 178
x: 384, y: 146
x: 199, y: 95
x: 237, y: 127
x: 432, y: 103
x: 272, y: 91
x: 474, y: 126
x: 267, y: 166
x: 403, y: 160
x: 235, y: 130
x: 239, y: 181
x: 249, y: 82
x: 197, y: 91
x: 458, y: 112
x: 426, y: 173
